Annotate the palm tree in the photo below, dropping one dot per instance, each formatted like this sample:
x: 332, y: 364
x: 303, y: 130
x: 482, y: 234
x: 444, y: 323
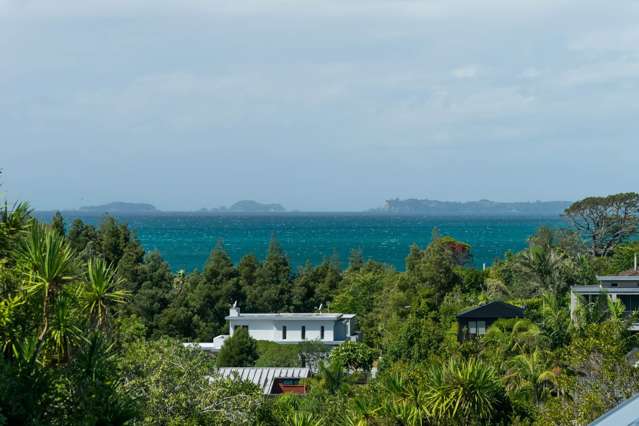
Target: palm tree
x: 465, y: 392
x: 303, y: 419
x: 64, y: 330
x: 332, y: 377
x: 506, y: 337
x: 529, y: 375
x: 13, y: 222
x: 556, y: 320
x: 362, y: 411
x: 543, y: 264
x: 101, y: 291
x: 47, y: 264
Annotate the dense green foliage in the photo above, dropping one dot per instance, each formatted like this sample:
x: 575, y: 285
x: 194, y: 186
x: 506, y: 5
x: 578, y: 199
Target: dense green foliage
x: 239, y: 350
x: 91, y: 328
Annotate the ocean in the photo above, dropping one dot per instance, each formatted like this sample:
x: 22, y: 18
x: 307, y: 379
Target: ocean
x: 185, y: 240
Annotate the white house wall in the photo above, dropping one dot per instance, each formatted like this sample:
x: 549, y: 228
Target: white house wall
x: 272, y: 329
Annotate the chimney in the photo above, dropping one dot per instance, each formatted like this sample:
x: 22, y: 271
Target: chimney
x: 234, y: 311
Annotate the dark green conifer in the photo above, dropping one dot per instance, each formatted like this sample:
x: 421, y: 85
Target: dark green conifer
x: 239, y: 350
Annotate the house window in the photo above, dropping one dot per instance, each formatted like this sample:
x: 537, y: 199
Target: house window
x: 476, y: 328
x: 322, y: 333
x: 303, y: 332
x: 283, y: 332
x: 630, y: 301
x: 481, y: 328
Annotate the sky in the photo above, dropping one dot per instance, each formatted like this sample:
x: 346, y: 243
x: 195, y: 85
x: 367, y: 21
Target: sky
x: 329, y: 105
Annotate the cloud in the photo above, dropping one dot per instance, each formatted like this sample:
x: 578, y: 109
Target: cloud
x: 347, y: 86
x: 417, y: 9
x: 531, y: 73
x: 606, y: 71
x: 469, y: 71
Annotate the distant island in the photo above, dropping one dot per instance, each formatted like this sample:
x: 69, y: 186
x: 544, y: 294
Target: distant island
x: 120, y: 207
x: 473, y: 208
x: 250, y: 206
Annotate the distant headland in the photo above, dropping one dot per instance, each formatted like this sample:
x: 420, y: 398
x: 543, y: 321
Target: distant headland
x: 414, y: 206
x: 249, y: 206
x: 473, y: 208
x: 120, y: 207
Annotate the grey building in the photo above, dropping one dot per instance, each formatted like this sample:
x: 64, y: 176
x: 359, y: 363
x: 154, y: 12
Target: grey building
x: 623, y: 287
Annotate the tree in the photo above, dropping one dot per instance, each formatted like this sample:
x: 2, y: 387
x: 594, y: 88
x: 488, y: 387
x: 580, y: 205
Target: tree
x: 271, y: 291
x: 219, y: 266
x: 605, y: 221
x: 209, y: 295
x: 623, y: 258
x: 413, y: 340
x: 57, y: 223
x: 102, y: 290
x: 435, y: 267
x: 466, y: 392
x: 151, y: 293
x: 239, y: 350
x: 530, y: 376
x: 47, y: 264
x: 81, y: 235
x: 354, y: 355
x: 556, y: 322
x: 356, y: 260
x: 542, y: 265
x: 331, y: 377
x: 56, y: 369
x: 13, y: 223
x: 175, y: 385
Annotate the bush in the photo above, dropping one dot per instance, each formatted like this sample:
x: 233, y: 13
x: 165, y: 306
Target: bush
x: 176, y: 385
x: 354, y: 355
x: 239, y: 350
x: 466, y: 392
x: 273, y: 354
x: 307, y: 354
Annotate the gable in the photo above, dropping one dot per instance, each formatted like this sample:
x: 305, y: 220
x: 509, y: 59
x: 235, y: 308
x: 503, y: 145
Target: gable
x: 493, y: 310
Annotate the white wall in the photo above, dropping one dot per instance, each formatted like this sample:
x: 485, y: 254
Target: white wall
x: 272, y: 329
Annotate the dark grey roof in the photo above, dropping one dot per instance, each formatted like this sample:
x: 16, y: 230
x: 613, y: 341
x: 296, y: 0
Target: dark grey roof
x: 493, y: 310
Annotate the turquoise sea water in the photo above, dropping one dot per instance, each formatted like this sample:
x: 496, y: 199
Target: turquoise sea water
x: 185, y: 241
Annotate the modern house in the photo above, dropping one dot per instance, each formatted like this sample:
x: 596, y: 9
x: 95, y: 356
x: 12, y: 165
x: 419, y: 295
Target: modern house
x: 332, y: 329
x: 272, y: 380
x: 623, y: 287
x: 474, y: 322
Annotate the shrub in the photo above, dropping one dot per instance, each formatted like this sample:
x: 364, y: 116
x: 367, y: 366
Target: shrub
x: 240, y: 350
x: 354, y: 355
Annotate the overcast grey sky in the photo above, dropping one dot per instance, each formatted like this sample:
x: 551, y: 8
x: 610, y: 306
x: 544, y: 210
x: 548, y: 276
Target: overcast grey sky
x: 318, y: 105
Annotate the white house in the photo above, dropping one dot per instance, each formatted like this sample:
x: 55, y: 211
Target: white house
x: 623, y: 287
x: 329, y: 328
